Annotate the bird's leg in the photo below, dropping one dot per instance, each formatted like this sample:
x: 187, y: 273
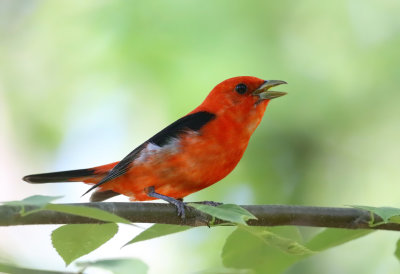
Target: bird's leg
x: 180, y: 206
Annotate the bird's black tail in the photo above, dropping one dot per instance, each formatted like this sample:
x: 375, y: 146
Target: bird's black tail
x: 62, y: 176
x: 88, y: 175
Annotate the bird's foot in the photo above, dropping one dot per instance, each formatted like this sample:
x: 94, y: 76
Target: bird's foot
x: 178, y: 203
x: 209, y: 203
x: 180, y: 207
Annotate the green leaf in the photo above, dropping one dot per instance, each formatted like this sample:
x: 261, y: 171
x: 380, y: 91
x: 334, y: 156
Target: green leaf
x: 41, y: 202
x: 284, y: 244
x: 227, y: 212
x: 397, y: 251
x: 157, y: 230
x: 76, y: 240
x: 262, y: 249
x: 87, y: 211
x: 10, y: 268
x: 223, y: 270
x: 331, y: 237
x: 388, y: 214
x: 275, y: 249
x: 117, y: 266
x: 38, y: 201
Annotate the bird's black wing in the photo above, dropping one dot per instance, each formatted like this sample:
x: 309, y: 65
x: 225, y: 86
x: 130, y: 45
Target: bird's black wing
x: 192, y: 122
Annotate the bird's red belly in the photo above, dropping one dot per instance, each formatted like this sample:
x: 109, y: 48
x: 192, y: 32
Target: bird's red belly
x: 194, y: 164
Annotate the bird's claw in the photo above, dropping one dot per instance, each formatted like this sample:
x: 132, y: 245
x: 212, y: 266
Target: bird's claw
x: 180, y: 207
x: 209, y: 203
x: 178, y: 203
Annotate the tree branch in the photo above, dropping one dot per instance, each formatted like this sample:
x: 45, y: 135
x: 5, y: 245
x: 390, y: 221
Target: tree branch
x: 268, y: 215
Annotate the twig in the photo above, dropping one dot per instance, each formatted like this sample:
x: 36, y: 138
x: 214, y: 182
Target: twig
x: 268, y: 215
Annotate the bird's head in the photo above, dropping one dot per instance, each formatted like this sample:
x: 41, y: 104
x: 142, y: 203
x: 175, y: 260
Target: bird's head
x: 243, y: 92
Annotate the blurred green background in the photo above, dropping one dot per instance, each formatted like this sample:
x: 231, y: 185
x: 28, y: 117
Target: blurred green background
x: 84, y: 82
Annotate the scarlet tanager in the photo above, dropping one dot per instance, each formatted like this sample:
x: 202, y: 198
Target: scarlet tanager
x: 190, y: 154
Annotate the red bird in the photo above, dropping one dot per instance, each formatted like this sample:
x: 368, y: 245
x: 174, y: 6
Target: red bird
x: 192, y: 153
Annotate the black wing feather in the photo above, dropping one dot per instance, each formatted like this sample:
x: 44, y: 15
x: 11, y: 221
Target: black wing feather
x: 193, y: 122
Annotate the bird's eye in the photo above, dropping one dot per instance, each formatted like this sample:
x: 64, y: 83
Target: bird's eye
x: 241, y: 88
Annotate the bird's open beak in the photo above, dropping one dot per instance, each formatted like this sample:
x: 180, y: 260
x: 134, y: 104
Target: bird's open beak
x: 264, y: 93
